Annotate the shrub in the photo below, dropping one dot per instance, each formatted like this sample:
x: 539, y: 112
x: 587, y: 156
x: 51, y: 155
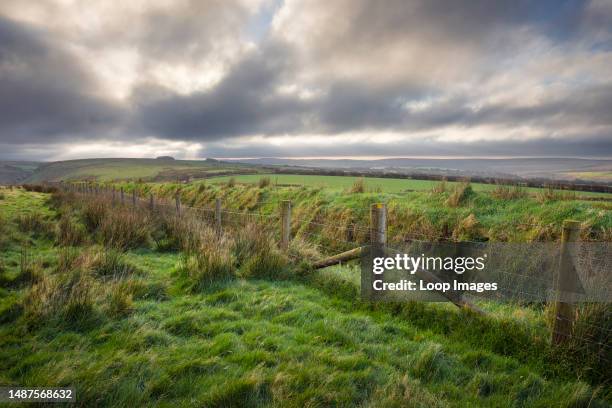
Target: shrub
x: 2, y: 196
x: 460, y: 194
x: 231, y: 182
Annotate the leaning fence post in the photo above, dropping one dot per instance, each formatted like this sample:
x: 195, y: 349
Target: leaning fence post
x: 218, y: 216
x: 177, y: 201
x: 285, y: 224
x: 565, y: 284
x: 151, y: 202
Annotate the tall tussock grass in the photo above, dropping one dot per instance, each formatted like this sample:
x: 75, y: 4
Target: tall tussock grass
x: 84, y: 283
x: 66, y: 298
x: 358, y: 186
x: 36, y: 223
x: 460, y: 194
x: 550, y: 194
x: 69, y: 232
x: 587, y: 349
x: 210, y: 261
x: 93, y: 213
x: 264, y: 182
x: 172, y: 233
x: 504, y: 192
x: 440, y: 187
x: 125, y: 228
x: 257, y: 254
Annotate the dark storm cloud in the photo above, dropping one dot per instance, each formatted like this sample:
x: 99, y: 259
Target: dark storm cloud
x: 45, y: 95
x: 245, y: 102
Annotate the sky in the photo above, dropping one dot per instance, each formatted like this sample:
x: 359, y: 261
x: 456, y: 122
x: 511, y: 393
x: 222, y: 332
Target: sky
x: 305, y: 78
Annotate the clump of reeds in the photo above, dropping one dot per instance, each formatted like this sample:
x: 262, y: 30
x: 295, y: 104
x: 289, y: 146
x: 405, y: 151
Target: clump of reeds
x: 69, y: 232
x: 231, y: 182
x: 125, y: 228
x: 358, y: 186
x: 440, y: 187
x: 213, y: 260
x: 35, y: 223
x: 460, y: 194
x: 504, y: 192
x: 550, y: 194
x: 264, y: 182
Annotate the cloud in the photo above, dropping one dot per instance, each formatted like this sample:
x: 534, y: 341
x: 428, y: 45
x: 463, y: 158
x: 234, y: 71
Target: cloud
x: 395, y: 77
x: 45, y: 94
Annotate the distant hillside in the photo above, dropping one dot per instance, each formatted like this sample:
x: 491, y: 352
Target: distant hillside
x: 13, y: 172
x: 160, y: 169
x: 553, y: 168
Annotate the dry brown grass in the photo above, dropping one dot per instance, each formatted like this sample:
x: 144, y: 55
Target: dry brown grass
x: 504, y: 192
x: 460, y: 194
x: 358, y: 186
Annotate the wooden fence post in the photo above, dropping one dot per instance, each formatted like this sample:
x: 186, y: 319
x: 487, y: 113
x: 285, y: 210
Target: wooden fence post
x: 218, y: 216
x: 378, y: 239
x: 151, y: 202
x: 177, y: 201
x: 114, y: 195
x: 122, y: 196
x: 565, y: 284
x: 285, y: 224
x: 134, y: 197
x: 378, y: 224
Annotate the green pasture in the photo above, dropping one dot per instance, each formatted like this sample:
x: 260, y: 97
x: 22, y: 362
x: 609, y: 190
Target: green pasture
x: 387, y: 185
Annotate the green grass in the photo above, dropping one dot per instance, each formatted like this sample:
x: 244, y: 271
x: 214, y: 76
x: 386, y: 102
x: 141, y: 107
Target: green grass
x: 387, y: 185
x: 264, y: 342
x: 417, y: 213
x: 126, y: 169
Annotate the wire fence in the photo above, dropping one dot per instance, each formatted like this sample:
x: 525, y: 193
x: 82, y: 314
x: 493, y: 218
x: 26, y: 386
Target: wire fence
x: 357, y: 231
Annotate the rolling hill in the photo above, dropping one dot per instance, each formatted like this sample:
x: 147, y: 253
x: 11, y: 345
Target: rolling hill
x: 160, y: 169
x: 12, y: 172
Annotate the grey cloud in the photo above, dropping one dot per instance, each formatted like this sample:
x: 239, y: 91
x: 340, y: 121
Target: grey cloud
x: 589, y: 146
x: 245, y: 102
x: 45, y: 95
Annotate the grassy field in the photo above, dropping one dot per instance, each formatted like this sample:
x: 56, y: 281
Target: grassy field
x: 128, y: 169
x: 453, y: 212
x: 132, y: 329
x: 387, y: 185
